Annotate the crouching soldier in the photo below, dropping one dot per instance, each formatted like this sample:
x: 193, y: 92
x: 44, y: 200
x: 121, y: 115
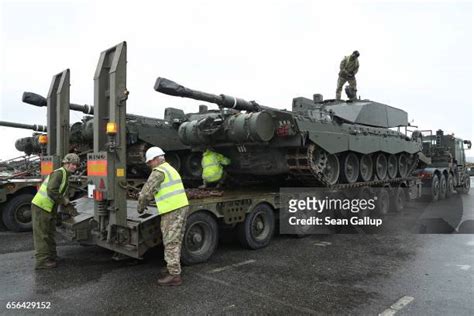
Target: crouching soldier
x: 213, y: 172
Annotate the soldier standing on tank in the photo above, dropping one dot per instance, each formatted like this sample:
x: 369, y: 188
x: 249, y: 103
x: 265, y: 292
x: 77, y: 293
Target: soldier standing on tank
x: 212, y: 170
x: 348, y: 69
x: 52, y: 192
x: 165, y: 186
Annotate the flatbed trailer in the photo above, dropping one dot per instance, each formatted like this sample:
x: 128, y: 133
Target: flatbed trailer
x: 252, y: 214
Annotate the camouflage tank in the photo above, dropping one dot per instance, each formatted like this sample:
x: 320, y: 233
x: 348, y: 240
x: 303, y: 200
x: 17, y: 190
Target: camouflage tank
x: 318, y: 142
x: 142, y: 133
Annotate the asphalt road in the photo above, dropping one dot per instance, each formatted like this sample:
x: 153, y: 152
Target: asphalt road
x: 402, y: 272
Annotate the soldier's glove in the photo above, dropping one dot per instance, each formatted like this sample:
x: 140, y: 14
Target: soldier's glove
x: 141, y: 209
x: 70, y: 209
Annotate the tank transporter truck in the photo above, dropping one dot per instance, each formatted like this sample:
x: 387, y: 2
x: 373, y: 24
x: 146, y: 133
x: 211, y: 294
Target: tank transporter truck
x: 19, y: 178
x: 142, y: 133
x: 107, y: 219
x: 447, y: 170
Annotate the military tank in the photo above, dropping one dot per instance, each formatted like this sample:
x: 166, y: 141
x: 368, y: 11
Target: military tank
x: 142, y: 133
x: 318, y: 142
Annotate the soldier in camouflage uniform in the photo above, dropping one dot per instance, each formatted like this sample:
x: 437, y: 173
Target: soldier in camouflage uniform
x: 165, y: 186
x: 348, y: 69
x: 44, y: 206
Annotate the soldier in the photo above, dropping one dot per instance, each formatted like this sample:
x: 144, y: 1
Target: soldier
x: 348, y: 69
x: 212, y: 170
x: 164, y: 184
x: 52, y: 192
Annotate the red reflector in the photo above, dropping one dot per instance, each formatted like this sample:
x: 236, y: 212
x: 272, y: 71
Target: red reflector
x: 101, y: 184
x: 98, y: 195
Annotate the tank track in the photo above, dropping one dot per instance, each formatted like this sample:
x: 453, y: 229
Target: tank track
x: 309, y: 172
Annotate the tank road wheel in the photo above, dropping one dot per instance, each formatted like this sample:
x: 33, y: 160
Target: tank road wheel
x: 381, y: 166
x: 192, y: 164
x: 399, y: 199
x: 350, y: 168
x: 332, y: 169
x: 442, y: 187
x: 382, y: 205
x: 403, y: 165
x: 366, y: 168
x: 256, y: 230
x: 465, y: 187
x: 435, y: 188
x: 174, y: 160
x: 449, y: 185
x: 200, y: 238
x: 17, y: 213
x: 392, y: 166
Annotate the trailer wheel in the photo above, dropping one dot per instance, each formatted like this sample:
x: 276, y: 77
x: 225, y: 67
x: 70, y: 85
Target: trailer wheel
x: 435, y: 188
x: 200, y: 238
x: 399, y: 199
x: 17, y: 213
x: 257, y: 229
x: 383, y: 201
x: 442, y: 187
x: 450, y: 186
x: 466, y: 186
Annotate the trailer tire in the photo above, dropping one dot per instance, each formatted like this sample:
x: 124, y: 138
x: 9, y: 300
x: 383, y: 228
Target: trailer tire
x: 256, y: 231
x: 442, y: 187
x: 399, y: 199
x: 450, y: 186
x: 435, y: 188
x: 16, y: 214
x: 383, y: 201
x: 466, y: 185
x: 200, y: 238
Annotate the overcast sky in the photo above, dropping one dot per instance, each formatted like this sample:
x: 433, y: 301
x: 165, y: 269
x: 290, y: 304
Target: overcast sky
x: 415, y: 55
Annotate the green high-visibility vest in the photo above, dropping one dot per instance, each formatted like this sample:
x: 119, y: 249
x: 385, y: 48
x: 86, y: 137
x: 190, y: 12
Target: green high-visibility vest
x: 171, y: 194
x: 42, y: 199
x: 211, y: 164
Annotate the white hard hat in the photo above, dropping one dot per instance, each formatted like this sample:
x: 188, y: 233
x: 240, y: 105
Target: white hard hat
x: 153, y: 152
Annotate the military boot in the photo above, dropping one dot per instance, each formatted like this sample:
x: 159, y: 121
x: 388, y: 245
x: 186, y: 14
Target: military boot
x: 170, y: 280
x: 50, y: 264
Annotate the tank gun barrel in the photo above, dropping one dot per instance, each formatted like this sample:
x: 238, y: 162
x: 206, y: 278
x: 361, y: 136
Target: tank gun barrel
x: 169, y: 87
x: 38, y: 100
x: 34, y: 127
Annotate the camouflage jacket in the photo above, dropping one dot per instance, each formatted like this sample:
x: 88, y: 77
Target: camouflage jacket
x: 150, y: 188
x: 348, y: 67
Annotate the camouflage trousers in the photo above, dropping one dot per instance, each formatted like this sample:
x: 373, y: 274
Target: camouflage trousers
x: 340, y: 83
x: 173, y: 225
x: 44, y: 229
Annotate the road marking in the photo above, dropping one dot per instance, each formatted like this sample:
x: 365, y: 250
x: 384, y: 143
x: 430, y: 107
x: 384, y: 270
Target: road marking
x: 322, y: 243
x: 397, y: 306
x: 464, y: 267
x: 261, y: 295
x: 470, y: 243
x: 230, y: 266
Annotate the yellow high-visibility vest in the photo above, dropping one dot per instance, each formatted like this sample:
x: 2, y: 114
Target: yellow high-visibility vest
x: 211, y: 164
x: 42, y: 199
x: 171, y: 194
